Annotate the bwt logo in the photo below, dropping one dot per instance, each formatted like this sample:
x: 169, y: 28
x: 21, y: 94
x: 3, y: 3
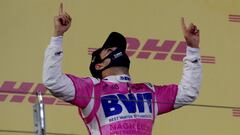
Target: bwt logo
x: 111, y: 105
x: 26, y: 92
x: 153, y: 49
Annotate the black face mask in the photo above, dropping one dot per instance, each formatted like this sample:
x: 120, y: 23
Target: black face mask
x: 118, y: 59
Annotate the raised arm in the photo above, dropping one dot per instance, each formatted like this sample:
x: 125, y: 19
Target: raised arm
x: 188, y: 88
x: 53, y: 78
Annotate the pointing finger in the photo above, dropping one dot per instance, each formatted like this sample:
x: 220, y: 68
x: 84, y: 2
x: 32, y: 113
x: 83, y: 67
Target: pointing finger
x: 61, y: 9
x: 184, y: 27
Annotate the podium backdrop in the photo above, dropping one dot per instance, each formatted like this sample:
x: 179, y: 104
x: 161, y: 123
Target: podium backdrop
x: 155, y: 46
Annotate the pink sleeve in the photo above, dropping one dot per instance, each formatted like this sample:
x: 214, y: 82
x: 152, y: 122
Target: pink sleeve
x: 165, y: 96
x: 83, y: 90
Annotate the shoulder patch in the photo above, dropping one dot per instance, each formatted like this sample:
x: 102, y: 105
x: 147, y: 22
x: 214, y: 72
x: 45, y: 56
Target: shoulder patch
x: 150, y: 86
x: 95, y: 80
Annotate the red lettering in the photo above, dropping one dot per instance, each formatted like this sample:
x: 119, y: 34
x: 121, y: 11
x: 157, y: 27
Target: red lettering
x: 180, y: 52
x: 46, y: 100
x: 3, y: 97
x: 9, y: 87
x: 236, y: 112
x: 152, y: 45
x: 132, y: 45
x: 161, y: 50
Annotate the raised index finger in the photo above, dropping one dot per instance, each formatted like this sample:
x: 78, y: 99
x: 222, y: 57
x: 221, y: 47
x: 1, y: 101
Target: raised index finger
x: 184, y: 27
x: 61, y: 9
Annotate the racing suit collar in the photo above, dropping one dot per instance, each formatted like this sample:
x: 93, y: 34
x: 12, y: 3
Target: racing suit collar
x: 117, y: 78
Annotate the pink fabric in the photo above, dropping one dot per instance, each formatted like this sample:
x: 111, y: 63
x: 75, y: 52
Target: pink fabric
x: 166, y: 96
x: 83, y: 91
x: 129, y: 127
x: 115, y: 112
x: 97, y: 103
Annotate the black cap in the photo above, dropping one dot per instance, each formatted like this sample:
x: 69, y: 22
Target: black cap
x: 115, y: 39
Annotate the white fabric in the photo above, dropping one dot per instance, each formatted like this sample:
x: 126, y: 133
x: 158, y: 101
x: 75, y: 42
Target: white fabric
x: 94, y: 127
x: 117, y: 78
x: 189, y: 85
x: 62, y: 87
x: 57, y: 82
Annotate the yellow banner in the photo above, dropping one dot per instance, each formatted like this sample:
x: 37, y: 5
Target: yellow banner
x: 155, y: 45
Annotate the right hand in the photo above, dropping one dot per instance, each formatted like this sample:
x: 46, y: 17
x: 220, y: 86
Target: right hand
x: 62, y: 22
x: 191, y: 34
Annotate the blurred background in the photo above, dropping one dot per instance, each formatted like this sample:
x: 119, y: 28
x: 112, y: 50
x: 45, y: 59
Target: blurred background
x: 27, y: 26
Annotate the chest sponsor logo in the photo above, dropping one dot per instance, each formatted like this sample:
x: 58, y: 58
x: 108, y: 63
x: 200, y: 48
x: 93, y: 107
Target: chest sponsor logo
x: 133, y: 103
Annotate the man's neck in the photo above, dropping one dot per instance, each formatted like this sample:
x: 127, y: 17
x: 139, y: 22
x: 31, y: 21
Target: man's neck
x: 115, y: 71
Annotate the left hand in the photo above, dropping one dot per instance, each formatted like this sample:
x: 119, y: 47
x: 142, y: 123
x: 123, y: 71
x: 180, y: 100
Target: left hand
x: 191, y: 34
x: 62, y: 22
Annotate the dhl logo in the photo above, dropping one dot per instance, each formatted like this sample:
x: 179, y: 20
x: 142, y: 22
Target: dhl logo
x: 234, y: 18
x: 153, y: 49
x: 26, y: 92
x: 236, y: 112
